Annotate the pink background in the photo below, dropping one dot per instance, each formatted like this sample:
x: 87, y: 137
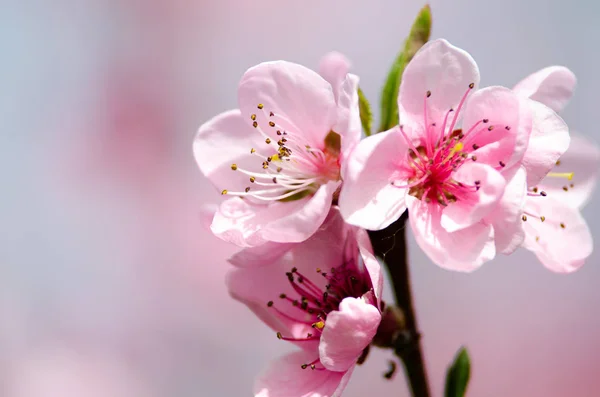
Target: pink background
x: 110, y: 283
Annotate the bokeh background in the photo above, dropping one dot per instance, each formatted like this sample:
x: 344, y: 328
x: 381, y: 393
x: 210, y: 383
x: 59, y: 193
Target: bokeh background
x: 111, y: 284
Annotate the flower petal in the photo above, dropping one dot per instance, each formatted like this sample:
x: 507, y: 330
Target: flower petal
x: 235, y: 222
x: 222, y: 141
x: 563, y: 241
x: 285, y: 378
x: 302, y: 102
x: 295, y: 221
x: 248, y: 225
x: 367, y: 198
x: 442, y: 69
x: 472, y: 207
x: 548, y: 141
x: 260, y: 255
x: 553, y: 86
x: 583, y: 160
x: 497, y: 126
x: 464, y: 250
x: 506, y: 217
x: 348, y: 331
x: 371, y: 263
x: 255, y: 287
x: 334, y: 68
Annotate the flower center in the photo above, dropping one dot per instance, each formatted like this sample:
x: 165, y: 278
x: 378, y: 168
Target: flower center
x: 313, y: 299
x: 291, y: 168
x: 429, y: 172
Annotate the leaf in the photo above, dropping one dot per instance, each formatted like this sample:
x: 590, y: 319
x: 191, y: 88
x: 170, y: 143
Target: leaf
x: 457, y: 377
x: 366, y: 115
x: 418, y: 36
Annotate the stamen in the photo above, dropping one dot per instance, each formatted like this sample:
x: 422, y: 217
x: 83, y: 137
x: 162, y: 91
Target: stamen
x: 568, y: 175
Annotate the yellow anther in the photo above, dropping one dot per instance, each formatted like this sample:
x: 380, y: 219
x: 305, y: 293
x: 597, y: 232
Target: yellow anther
x: 456, y: 148
x: 252, y: 150
x: 568, y: 175
x: 260, y: 106
x: 252, y: 179
x: 275, y: 157
x: 224, y: 192
x: 234, y: 166
x: 253, y: 117
x: 319, y: 325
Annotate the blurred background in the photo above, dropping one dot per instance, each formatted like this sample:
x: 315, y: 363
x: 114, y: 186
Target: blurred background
x: 111, y: 284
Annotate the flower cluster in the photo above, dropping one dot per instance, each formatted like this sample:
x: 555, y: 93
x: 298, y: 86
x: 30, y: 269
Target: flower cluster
x: 480, y: 171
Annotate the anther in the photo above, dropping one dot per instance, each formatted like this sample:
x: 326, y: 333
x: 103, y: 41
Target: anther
x: 252, y: 150
x: 428, y: 94
x: 566, y: 189
x: 278, y: 132
x: 535, y: 189
x: 234, y: 166
x: 274, y: 179
x: 252, y: 179
x: 294, y: 270
x: 313, y: 366
x: 247, y: 189
x: 260, y: 106
x: 318, y: 325
x: 542, y: 218
x: 472, y: 85
x: 474, y: 158
x: 562, y: 225
x: 537, y: 238
x: 557, y: 162
x: 491, y: 127
x: 475, y: 146
x: 279, y: 336
x: 279, y: 169
x: 572, y: 185
x: 524, y: 218
x: 507, y: 128
x: 255, y: 124
x: 502, y: 164
x: 543, y: 193
x: 253, y: 117
x: 268, y: 140
x: 271, y: 114
x: 485, y: 120
x: 282, y: 296
x: 478, y: 182
x: 224, y: 192
x: 304, y: 366
x: 318, y: 270
x: 272, y: 124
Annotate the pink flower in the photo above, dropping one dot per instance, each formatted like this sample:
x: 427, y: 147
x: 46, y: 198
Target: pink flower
x: 553, y: 227
x: 447, y: 172
x: 279, y: 155
x: 323, y: 295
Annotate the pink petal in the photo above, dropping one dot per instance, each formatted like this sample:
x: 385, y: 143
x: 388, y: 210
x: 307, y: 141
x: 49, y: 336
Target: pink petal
x: 464, y: 250
x: 255, y: 287
x: 471, y: 208
x: 247, y: 224
x: 302, y: 101
x: 348, y: 124
x: 295, y: 221
x: 583, y: 159
x: 505, y: 134
x: 548, y: 141
x: 235, y: 222
x: 347, y: 333
x: 371, y: 263
x: 367, y: 198
x: 506, y: 217
x: 560, y: 249
x: 553, y: 86
x: 334, y: 68
x: 442, y: 69
x: 285, y: 378
x: 260, y: 255
x: 222, y: 141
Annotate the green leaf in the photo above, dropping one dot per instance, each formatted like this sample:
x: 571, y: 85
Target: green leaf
x: 418, y: 36
x: 457, y: 377
x: 366, y: 115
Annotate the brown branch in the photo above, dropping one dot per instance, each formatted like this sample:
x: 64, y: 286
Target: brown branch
x: 390, y: 245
